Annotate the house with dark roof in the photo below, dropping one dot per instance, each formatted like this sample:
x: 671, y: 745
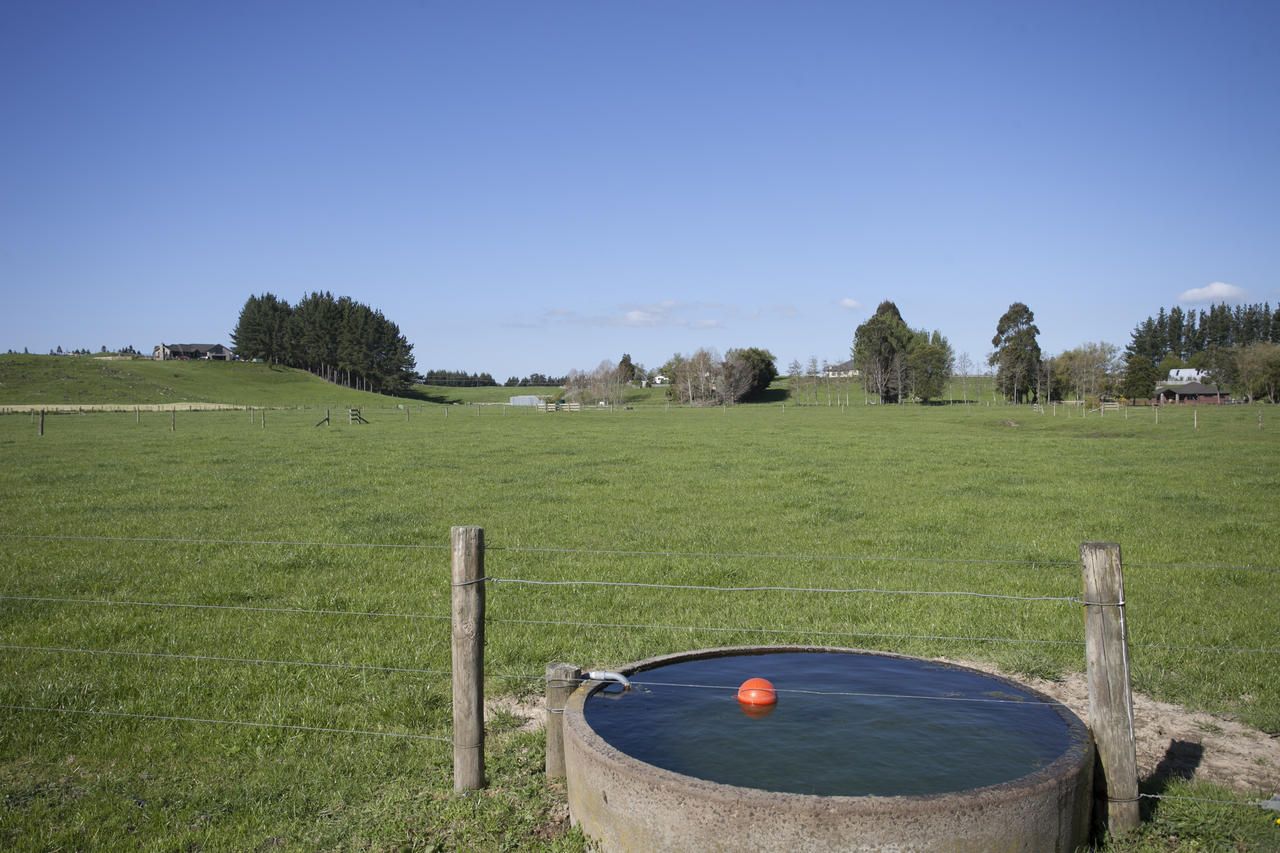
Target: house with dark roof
x: 186, y: 352
x: 1190, y: 392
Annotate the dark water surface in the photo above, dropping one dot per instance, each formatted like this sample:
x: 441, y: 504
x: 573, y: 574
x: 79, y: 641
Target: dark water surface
x: 834, y: 745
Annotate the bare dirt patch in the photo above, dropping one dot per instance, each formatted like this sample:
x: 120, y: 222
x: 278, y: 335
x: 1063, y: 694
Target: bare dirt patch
x: 1175, y: 743
x: 528, y: 710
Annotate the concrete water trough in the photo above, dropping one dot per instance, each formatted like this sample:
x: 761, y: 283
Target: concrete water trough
x: 863, y: 751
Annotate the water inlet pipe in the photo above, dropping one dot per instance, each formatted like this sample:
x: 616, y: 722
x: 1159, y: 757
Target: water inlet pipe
x: 606, y: 675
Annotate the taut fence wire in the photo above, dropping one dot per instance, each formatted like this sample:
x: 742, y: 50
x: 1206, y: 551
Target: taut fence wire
x: 637, y: 553
x: 474, y: 585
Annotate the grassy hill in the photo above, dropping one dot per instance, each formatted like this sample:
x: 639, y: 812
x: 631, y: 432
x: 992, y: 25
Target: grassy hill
x: 70, y: 380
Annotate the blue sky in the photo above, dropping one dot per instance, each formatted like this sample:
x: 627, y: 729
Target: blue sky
x: 539, y: 186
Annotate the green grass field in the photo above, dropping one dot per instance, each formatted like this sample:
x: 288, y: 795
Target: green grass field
x: 271, y: 531
x: 26, y: 379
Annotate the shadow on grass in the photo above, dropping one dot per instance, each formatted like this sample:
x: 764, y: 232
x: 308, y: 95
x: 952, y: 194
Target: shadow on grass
x: 768, y: 395
x: 1180, y: 762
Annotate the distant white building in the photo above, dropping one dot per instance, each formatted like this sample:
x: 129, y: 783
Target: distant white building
x: 660, y: 380
x: 1183, y: 375
x: 843, y: 370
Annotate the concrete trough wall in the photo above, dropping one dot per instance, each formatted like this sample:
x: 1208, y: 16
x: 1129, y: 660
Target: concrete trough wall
x: 628, y: 805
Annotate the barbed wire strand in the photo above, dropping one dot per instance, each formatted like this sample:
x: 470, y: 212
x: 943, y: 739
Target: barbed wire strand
x: 1265, y: 804
x: 865, y: 634
x: 245, y: 723
x: 613, y: 625
x: 783, y: 631
x: 765, y: 555
x: 224, y: 659
x: 706, y: 588
x: 617, y: 625
x: 180, y: 540
x: 1029, y: 702
x: 238, y: 607
x: 620, y: 552
x: 1143, y: 564
x: 256, y: 661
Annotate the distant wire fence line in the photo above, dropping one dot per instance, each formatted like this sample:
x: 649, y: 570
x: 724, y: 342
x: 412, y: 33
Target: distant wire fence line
x: 183, y: 605
x: 725, y: 629
x: 806, y: 632
x: 188, y: 540
x: 464, y: 735
x: 794, y: 589
x: 244, y: 723
x: 360, y: 667
x: 637, y: 553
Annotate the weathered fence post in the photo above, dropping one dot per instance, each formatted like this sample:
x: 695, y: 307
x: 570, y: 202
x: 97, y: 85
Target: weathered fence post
x: 173, y: 419
x: 468, y: 658
x: 41, y: 422
x: 562, y: 678
x: 1110, y: 697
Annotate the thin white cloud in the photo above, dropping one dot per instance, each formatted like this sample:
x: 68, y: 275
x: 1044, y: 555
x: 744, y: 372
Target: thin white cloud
x: 639, y: 317
x: 668, y: 313
x: 850, y: 304
x: 1218, y: 291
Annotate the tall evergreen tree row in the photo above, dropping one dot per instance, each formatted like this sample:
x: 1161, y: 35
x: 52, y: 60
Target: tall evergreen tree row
x: 1183, y: 334
x: 1207, y: 340
x: 339, y: 339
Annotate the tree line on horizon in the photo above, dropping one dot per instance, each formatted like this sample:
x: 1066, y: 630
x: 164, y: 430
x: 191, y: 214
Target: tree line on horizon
x: 339, y: 339
x: 1237, y: 348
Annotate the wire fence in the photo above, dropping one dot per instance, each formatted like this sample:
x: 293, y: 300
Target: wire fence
x: 612, y: 558
x: 1030, y: 563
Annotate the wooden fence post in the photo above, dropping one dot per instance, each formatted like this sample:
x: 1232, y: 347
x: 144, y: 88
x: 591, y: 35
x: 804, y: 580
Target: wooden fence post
x: 468, y: 658
x: 41, y: 422
x: 1110, y: 696
x: 562, y: 678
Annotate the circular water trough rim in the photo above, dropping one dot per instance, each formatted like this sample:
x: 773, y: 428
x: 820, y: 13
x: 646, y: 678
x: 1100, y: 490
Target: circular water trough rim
x: 1069, y: 763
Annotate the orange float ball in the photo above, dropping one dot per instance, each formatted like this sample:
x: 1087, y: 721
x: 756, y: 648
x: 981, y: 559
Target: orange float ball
x: 757, y: 691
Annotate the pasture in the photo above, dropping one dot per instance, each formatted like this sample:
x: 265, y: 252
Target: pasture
x: 234, y: 574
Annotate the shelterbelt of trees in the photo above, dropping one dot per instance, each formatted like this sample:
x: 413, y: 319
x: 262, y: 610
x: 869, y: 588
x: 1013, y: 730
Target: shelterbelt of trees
x: 1238, y: 348
x: 339, y: 339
